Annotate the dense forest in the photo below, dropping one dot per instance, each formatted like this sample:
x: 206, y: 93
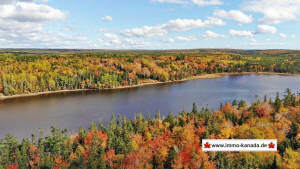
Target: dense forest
x: 173, y: 142
x: 24, y: 73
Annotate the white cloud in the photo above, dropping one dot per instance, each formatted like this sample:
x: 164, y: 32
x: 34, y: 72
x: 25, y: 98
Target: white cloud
x: 171, y: 1
x: 5, y: 2
x: 22, y: 25
x: 41, y: 38
x: 30, y: 12
x: 131, y: 43
x: 265, y: 29
x: 111, y: 36
x: 103, y: 30
x: 31, y: 0
x: 178, y: 25
x: 212, y: 35
x: 266, y: 43
x: 196, y: 2
x: 114, y: 39
x: 107, y: 18
x: 283, y: 35
x: 293, y: 36
x: 207, y: 2
x: 14, y: 1
x: 275, y: 11
x: 234, y: 15
x: 181, y: 25
x: 179, y: 39
x: 253, y: 40
x: 146, y: 31
x: 243, y: 33
x: 101, y: 40
x: 168, y: 40
x: 261, y: 29
x: 185, y: 38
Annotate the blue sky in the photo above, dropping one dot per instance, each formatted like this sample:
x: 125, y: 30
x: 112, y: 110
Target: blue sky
x: 150, y: 24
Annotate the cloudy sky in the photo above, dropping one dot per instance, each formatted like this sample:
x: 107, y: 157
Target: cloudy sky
x: 150, y: 24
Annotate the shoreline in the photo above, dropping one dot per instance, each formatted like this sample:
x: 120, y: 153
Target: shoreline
x: 153, y: 82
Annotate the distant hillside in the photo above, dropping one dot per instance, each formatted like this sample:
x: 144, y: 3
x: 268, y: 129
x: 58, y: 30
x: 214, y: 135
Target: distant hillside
x: 273, y: 52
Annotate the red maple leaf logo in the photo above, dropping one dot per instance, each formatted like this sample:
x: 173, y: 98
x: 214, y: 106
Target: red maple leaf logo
x: 207, y: 145
x: 271, y: 145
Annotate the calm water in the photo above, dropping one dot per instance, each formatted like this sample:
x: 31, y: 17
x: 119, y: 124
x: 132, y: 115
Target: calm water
x: 21, y: 117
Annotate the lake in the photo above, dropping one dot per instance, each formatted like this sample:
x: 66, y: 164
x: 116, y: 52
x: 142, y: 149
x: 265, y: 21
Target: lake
x: 21, y: 117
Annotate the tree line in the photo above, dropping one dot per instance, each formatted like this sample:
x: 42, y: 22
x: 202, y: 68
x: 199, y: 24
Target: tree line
x: 32, y: 73
x: 173, y: 142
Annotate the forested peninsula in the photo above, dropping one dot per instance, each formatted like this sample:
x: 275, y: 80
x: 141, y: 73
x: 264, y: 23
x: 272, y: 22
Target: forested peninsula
x: 33, y: 73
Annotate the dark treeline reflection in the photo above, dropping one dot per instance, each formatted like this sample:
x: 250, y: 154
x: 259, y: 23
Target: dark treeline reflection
x: 21, y: 117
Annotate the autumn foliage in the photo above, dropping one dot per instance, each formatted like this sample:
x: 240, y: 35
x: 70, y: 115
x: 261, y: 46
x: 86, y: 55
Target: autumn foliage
x: 171, y: 143
x: 23, y: 73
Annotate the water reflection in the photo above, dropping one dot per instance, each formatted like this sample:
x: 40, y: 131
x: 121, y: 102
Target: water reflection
x: 22, y: 117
